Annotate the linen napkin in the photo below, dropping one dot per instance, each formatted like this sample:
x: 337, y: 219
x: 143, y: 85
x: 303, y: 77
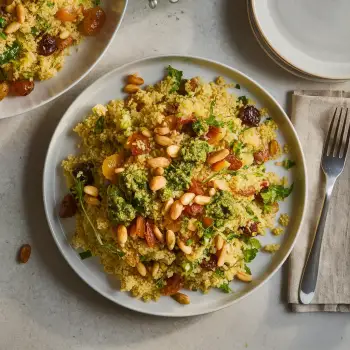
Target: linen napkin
x: 312, y: 112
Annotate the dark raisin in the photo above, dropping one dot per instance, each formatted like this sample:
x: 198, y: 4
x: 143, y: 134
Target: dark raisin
x: 47, y: 45
x: 210, y: 264
x: 250, y: 116
x: 250, y: 228
x: 83, y: 171
x: 21, y: 87
x: 68, y: 207
x: 171, y: 108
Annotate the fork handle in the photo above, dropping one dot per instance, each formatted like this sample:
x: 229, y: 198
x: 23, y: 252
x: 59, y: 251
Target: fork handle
x: 309, y: 277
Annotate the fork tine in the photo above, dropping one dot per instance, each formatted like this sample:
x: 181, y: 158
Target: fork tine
x: 335, y: 137
x: 342, y: 134
x: 326, y: 144
x: 347, y: 140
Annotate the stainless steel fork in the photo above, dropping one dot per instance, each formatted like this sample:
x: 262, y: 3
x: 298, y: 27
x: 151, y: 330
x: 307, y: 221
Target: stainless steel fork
x: 332, y: 163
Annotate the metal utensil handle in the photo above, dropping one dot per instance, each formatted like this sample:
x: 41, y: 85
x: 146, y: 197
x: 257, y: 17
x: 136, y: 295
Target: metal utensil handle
x: 309, y: 278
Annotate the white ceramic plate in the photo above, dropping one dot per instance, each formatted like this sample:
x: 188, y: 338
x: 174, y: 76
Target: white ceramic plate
x: 274, y: 56
x: 64, y: 142
x: 82, y: 59
x: 311, y: 35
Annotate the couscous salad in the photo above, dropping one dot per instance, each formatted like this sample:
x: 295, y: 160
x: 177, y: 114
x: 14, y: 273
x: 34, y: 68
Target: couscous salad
x: 170, y: 189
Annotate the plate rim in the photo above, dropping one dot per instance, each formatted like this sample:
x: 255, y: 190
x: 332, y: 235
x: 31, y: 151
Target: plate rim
x: 139, y: 61
x: 294, y: 65
x: 274, y: 56
x: 29, y: 109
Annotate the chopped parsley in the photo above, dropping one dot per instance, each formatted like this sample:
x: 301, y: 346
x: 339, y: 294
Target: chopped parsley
x: 237, y: 86
x: 220, y: 273
x: 189, y: 242
x: 50, y: 4
x: 99, y: 125
x: 11, y: 53
x: 237, y: 147
x: 3, y: 35
x: 287, y: 164
x: 231, y: 236
x: 211, y: 120
x: 85, y: 255
x: 250, y: 252
x: 225, y: 288
x: 160, y: 283
x: 2, y: 22
x: 97, y: 2
x: 247, y: 270
x: 177, y: 77
x: 34, y: 31
x: 243, y: 99
x: 275, y: 193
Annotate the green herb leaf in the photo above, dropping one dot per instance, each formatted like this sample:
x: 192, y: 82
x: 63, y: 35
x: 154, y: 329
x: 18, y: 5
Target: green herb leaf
x: 247, y: 270
x: 11, y: 53
x: 99, y: 125
x: 287, y: 164
x: 50, y: 4
x: 275, y: 193
x: 34, y: 31
x: 189, y: 242
x: 211, y: 120
x: 160, y: 283
x: 2, y: 22
x: 177, y: 77
x: 78, y: 192
x: 243, y: 99
x: 237, y: 147
x: 225, y: 288
x: 3, y: 35
x: 85, y: 255
x: 97, y: 2
x: 237, y: 86
x: 220, y: 273
x: 143, y: 258
x: 231, y: 236
x: 252, y: 250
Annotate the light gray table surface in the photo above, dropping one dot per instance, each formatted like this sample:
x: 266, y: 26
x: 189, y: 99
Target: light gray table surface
x: 44, y: 305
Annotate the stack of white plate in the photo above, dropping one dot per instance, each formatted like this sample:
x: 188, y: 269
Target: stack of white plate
x: 309, y: 38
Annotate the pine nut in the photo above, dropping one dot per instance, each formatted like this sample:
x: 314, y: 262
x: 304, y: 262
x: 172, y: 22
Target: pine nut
x: 163, y: 140
x: 155, y: 269
x: 91, y: 190
x: 221, y: 185
x: 202, y: 200
x: 158, y: 171
x: 167, y: 205
x: 20, y: 11
x: 91, y: 200
x: 131, y: 88
x: 170, y: 239
x: 222, y: 256
x: 173, y: 151
x: 141, y: 268
x: 216, y: 156
x: 10, y: 8
x: 64, y: 34
x: 134, y: 79
x: 146, y: 132
x: 122, y: 234
x: 158, y: 233
x: 12, y: 28
x: 159, y: 162
x: 192, y: 225
x: 119, y: 170
x: 212, y: 192
x: 176, y: 210
x: 157, y: 182
x: 185, y: 248
x: 244, y: 277
x: 219, y: 242
x: 164, y: 130
x: 181, y: 298
x: 187, y: 198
